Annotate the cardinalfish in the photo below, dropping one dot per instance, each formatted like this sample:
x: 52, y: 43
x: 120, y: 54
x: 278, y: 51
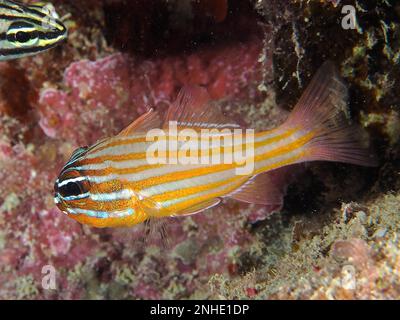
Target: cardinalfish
x: 114, y: 184
x: 28, y: 29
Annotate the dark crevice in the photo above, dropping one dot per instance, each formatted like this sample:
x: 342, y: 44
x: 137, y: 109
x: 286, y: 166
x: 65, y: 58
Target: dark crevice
x: 155, y: 28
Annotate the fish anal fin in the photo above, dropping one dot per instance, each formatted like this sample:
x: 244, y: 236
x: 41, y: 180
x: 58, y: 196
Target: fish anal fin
x: 259, y: 190
x: 267, y: 188
x: 199, y: 207
x: 193, y: 109
x: 149, y: 120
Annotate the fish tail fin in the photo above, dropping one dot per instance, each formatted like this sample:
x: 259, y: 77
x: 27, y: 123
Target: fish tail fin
x: 322, y: 111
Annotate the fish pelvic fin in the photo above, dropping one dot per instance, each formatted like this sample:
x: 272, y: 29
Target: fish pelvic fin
x: 322, y: 111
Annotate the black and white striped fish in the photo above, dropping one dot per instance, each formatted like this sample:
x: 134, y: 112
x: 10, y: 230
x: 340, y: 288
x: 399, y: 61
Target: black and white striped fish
x: 28, y: 29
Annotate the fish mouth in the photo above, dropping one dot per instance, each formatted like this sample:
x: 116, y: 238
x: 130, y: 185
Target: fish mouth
x: 60, y: 203
x: 57, y: 33
x: 62, y: 29
x: 53, y: 30
x: 56, y: 193
x: 57, y: 199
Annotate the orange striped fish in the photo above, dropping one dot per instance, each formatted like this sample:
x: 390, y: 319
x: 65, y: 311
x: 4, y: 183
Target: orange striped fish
x: 114, y: 184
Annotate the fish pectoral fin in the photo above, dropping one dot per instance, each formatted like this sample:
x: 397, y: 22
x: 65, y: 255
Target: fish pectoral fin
x: 193, y: 109
x: 199, y: 207
x: 152, y: 208
x: 267, y: 188
x: 150, y: 120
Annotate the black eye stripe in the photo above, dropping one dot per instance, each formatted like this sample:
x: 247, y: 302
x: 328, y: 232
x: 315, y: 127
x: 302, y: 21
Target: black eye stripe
x: 21, y: 51
x: 21, y: 36
x: 11, y: 36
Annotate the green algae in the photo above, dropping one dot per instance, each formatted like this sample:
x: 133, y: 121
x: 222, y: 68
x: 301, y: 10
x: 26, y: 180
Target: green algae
x: 25, y: 287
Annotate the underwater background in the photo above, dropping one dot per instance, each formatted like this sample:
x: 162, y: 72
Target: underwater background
x: 337, y: 234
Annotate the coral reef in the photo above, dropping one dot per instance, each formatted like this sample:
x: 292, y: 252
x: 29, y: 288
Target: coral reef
x: 336, y: 236
x: 356, y: 256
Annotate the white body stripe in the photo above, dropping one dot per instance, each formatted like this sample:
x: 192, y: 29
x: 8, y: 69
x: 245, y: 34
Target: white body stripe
x: 77, y: 179
x: 124, y: 194
x: 141, y: 147
x: 102, y: 214
x: 226, y: 179
x: 170, y: 168
x: 167, y: 204
x: 189, y: 182
x: 113, y: 164
x: 77, y: 197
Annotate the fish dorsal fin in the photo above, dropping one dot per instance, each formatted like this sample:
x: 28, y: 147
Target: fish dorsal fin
x: 193, y: 109
x: 199, y: 207
x: 267, y: 188
x: 147, y: 121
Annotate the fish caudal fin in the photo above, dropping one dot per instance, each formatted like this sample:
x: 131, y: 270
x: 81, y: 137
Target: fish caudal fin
x: 322, y: 111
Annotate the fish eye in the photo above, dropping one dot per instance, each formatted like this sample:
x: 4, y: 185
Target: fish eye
x: 72, y: 188
x: 22, y: 36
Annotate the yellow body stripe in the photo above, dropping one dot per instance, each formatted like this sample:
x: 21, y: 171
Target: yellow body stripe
x: 174, y: 176
x: 167, y: 189
x: 185, y: 204
x: 143, y: 155
x: 141, y: 139
x: 196, y: 189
